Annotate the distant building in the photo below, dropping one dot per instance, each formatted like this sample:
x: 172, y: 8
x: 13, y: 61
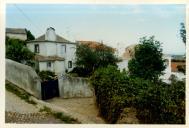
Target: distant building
x: 95, y: 44
x: 178, y: 61
x: 172, y: 62
x: 129, y: 52
x: 16, y: 33
x: 127, y: 55
x: 53, y: 52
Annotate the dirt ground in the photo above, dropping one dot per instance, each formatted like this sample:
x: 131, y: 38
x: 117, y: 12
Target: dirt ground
x: 84, y: 107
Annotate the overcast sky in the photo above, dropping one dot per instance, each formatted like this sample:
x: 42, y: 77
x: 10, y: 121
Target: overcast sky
x: 116, y: 25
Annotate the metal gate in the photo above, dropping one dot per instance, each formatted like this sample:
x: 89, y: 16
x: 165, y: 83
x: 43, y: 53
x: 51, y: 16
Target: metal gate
x: 49, y: 89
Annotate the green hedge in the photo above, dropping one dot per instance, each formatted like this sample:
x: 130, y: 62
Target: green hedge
x: 110, y: 87
x: 162, y: 103
x: 155, y: 102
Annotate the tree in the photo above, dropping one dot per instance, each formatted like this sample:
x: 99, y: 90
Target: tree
x: 89, y: 59
x: 183, y: 33
x: 30, y: 36
x: 16, y: 50
x: 147, y: 62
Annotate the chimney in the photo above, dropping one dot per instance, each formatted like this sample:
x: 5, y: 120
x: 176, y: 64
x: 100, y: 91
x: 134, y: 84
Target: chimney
x: 50, y: 34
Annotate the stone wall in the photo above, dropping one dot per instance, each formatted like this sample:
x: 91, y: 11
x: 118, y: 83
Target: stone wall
x: 72, y: 87
x: 24, y: 77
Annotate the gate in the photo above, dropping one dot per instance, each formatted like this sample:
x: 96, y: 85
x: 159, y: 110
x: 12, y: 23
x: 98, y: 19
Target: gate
x: 49, y: 89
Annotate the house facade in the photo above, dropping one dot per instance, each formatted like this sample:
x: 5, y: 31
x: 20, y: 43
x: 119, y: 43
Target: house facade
x: 53, y: 52
x: 16, y: 33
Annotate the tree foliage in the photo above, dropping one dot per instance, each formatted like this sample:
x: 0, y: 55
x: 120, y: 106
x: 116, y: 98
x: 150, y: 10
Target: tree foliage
x: 30, y: 36
x: 90, y: 59
x: 183, y: 33
x: 148, y: 62
x: 16, y: 50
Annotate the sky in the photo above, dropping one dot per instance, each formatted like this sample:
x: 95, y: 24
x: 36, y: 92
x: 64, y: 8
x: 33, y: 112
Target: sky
x: 116, y: 25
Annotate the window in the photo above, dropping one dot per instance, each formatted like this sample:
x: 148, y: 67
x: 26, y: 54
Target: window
x: 36, y: 48
x: 48, y: 64
x: 63, y: 49
x: 69, y: 64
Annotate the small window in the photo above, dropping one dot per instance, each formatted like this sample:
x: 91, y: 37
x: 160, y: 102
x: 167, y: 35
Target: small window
x: 69, y: 64
x: 36, y: 48
x: 48, y: 64
x: 63, y: 49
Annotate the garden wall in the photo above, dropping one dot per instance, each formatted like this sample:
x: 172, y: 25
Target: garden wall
x: 72, y: 87
x: 24, y: 77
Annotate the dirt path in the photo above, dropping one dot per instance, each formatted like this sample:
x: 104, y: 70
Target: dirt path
x: 84, y: 107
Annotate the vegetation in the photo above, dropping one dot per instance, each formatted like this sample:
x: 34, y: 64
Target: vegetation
x: 30, y: 36
x: 140, y: 88
x: 183, y: 33
x: 110, y: 91
x: 19, y: 92
x: 59, y: 115
x: 16, y: 50
x: 155, y: 102
x: 47, y: 75
x: 147, y: 62
x: 162, y: 103
x: 91, y: 58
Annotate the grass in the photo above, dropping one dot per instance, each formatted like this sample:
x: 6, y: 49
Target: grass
x: 19, y: 92
x: 59, y: 115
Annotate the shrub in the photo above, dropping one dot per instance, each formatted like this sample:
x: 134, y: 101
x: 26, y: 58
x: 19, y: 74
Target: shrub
x: 82, y: 72
x: 111, y: 90
x: 162, y: 103
x: 155, y: 102
x: 46, y: 75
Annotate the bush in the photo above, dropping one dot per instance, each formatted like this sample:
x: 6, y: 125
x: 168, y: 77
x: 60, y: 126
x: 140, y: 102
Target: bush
x: 162, y: 103
x: 111, y: 89
x: 155, y: 102
x: 47, y: 75
x: 82, y: 72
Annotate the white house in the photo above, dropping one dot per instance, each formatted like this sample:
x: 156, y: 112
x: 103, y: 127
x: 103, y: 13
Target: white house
x: 53, y: 52
x: 16, y: 33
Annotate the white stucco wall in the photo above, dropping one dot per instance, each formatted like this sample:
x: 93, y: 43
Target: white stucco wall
x: 24, y: 77
x: 50, y: 34
x: 59, y: 67
x: 55, y: 49
x: 70, y: 55
x: 73, y: 87
x: 17, y: 36
x: 43, y: 66
x: 56, y: 66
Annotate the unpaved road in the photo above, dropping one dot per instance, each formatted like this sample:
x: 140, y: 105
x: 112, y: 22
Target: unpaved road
x: 84, y: 107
